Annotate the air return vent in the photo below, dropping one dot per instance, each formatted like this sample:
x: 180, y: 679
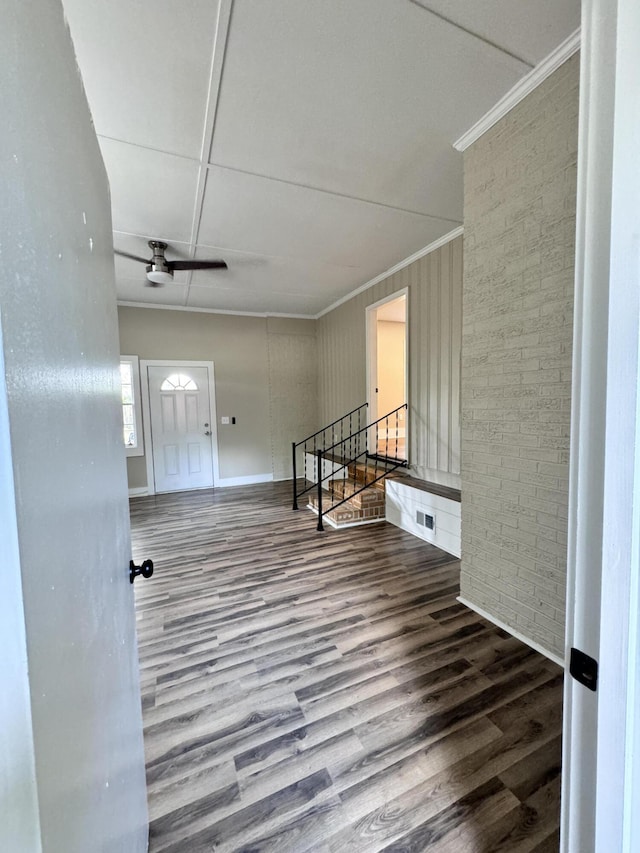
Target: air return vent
x: 425, y: 520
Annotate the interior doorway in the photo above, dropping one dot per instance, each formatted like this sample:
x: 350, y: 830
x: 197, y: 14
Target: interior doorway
x: 387, y: 359
x: 180, y: 434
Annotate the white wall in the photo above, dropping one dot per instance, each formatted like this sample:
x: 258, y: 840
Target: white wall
x: 70, y: 513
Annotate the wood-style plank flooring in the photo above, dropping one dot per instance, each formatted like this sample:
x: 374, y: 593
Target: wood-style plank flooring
x: 326, y: 692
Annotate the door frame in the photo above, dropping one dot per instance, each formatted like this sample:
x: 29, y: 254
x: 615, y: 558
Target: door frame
x: 146, y: 414
x: 372, y: 356
x: 601, y: 743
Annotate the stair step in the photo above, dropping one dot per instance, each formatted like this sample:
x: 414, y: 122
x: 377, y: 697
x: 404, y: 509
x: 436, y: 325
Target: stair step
x: 341, y: 489
x: 353, y: 511
x: 359, y: 507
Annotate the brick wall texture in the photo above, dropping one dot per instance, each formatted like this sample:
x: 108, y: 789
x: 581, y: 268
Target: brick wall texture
x: 519, y: 220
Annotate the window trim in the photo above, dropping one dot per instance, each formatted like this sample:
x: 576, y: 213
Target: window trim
x: 134, y: 362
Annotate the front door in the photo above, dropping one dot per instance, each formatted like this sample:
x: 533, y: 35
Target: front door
x: 181, y: 430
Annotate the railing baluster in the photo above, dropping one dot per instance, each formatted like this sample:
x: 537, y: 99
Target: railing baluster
x: 320, y: 525
x: 350, y: 439
x: 295, y: 479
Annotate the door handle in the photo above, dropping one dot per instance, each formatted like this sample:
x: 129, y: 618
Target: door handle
x: 146, y: 570
x: 208, y: 432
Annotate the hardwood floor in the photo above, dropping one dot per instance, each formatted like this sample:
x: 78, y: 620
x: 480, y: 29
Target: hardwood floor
x: 326, y: 692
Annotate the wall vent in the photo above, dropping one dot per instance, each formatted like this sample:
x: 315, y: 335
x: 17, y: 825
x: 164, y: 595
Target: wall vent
x: 425, y: 520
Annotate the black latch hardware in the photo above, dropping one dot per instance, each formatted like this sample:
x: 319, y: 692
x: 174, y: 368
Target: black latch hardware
x: 584, y: 669
x: 146, y: 570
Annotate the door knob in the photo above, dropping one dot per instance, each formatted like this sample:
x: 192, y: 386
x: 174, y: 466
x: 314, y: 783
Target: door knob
x: 146, y: 570
x: 207, y: 432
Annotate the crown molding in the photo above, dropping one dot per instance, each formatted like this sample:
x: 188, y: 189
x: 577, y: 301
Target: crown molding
x: 441, y: 241
x: 122, y: 304
x: 523, y: 87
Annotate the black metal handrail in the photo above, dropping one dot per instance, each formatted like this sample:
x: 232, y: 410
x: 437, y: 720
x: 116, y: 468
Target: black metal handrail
x: 311, y: 445
x: 389, y: 461
x: 332, y: 424
x: 372, y: 424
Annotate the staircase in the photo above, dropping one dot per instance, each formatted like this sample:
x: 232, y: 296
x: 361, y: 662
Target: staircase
x: 356, y: 507
x: 344, y: 481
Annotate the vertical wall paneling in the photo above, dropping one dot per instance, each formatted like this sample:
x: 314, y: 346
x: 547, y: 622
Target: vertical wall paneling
x: 455, y: 356
x: 435, y: 300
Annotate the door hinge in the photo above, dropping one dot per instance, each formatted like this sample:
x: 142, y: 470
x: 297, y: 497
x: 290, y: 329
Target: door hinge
x: 584, y: 669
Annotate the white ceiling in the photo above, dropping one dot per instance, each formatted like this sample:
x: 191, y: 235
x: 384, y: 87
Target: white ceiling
x: 306, y: 142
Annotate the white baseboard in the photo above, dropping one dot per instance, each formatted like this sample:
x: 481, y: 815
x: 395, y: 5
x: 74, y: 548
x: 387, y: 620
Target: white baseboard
x: 138, y: 492
x: 500, y: 624
x: 249, y: 480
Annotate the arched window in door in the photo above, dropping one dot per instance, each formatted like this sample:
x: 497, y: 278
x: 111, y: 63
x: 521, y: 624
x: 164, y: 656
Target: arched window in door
x: 178, y: 382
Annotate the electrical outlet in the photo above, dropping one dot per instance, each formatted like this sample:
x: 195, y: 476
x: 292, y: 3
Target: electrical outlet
x: 224, y: 420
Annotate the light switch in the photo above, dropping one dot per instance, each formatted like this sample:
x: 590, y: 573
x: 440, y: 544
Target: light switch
x: 224, y: 420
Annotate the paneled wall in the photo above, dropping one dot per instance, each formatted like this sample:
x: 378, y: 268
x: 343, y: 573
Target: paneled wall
x: 520, y: 190
x: 435, y: 318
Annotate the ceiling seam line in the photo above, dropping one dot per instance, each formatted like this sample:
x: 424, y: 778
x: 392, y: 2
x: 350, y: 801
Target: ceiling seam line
x: 245, y: 252
x: 186, y: 157
x: 471, y: 33
x: 331, y: 192
x: 215, y: 81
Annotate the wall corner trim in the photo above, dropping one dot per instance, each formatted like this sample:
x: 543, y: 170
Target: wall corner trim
x: 523, y: 87
x: 441, y: 241
x: 503, y: 625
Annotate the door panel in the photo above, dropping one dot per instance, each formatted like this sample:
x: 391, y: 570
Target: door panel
x: 180, y: 418
x: 195, y: 458
x: 71, y: 747
x: 168, y: 407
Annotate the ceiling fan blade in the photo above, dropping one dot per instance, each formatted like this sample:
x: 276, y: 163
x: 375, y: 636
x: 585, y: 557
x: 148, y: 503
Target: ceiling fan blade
x: 131, y: 257
x: 197, y: 265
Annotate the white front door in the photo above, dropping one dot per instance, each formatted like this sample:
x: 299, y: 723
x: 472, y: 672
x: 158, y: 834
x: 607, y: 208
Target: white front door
x: 180, y: 427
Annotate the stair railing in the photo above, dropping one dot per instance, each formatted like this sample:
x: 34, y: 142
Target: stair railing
x: 384, y: 462
x: 320, y: 439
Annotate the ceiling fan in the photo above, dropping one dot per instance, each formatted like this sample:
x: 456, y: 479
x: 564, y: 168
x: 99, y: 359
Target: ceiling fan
x: 160, y: 270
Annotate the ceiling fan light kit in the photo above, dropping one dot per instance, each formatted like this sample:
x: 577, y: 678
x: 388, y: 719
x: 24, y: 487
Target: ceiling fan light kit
x: 160, y: 270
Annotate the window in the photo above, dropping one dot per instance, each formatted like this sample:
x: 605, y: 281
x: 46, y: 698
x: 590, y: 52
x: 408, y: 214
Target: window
x: 131, y: 419
x: 178, y: 382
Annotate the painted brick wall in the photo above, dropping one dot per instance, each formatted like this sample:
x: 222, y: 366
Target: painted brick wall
x: 519, y: 218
